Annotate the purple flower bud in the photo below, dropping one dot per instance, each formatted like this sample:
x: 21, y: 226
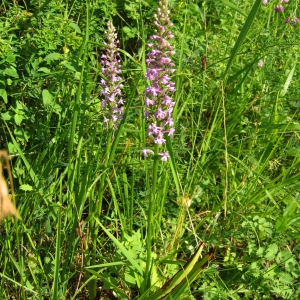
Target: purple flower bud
x: 159, y: 140
x: 171, y: 131
x: 279, y: 8
x: 153, y: 129
x: 293, y: 21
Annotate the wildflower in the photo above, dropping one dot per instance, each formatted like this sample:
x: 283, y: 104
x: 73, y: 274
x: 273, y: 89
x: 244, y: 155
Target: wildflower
x: 286, y: 1
x: 264, y: 2
x: 112, y: 102
x: 296, y: 20
x: 279, y: 8
x: 158, y: 101
x: 164, y: 156
x: 146, y: 152
x: 260, y: 63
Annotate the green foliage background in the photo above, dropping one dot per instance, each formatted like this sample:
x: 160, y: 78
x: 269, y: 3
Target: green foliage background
x: 235, y: 154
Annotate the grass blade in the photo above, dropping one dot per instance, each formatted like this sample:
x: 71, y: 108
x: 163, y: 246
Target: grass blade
x: 242, y: 36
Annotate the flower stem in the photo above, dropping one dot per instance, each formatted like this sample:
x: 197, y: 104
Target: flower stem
x: 152, y: 200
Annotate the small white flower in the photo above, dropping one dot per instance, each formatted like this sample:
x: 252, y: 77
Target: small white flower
x: 260, y: 63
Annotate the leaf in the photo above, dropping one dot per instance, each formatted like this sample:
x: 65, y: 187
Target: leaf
x: 21, y: 134
x: 279, y: 126
x: 52, y: 56
x: 192, y: 276
x: 10, y: 58
x: 271, y: 252
x: 242, y: 35
x: 16, y: 148
x: 104, y: 279
x: 72, y: 65
x: 45, y: 70
x: 75, y: 27
x: 48, y: 227
x: 7, y: 116
x: 11, y: 72
x: 233, y: 6
x: 288, y: 82
x: 290, y: 209
x: 286, y: 278
x: 11, y: 148
x: 47, y: 98
x: 180, y: 276
x: 6, y: 206
x: 57, y: 108
x: 18, y: 119
x: 295, y: 219
x: 3, y: 94
x: 129, y: 279
x: 26, y: 187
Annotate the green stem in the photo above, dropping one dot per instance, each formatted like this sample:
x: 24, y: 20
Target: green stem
x: 152, y: 198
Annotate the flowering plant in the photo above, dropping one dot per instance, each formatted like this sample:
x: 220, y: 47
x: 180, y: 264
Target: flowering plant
x: 158, y: 102
x: 112, y: 102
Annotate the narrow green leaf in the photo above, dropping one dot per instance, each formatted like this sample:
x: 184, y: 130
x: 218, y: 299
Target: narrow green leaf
x: 44, y: 70
x: 178, y: 278
x: 30, y: 289
x: 3, y: 94
x: 173, y: 166
x: 75, y: 27
x: 280, y: 126
x: 233, y: 6
x: 29, y: 168
x: 242, y: 36
x: 192, y: 276
x: 291, y: 208
x: 52, y: 56
x: 288, y: 81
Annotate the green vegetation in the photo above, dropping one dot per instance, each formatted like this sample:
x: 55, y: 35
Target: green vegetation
x: 218, y: 220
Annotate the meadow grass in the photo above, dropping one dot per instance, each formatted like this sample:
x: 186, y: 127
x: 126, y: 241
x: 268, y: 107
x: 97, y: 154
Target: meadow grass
x: 218, y: 220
